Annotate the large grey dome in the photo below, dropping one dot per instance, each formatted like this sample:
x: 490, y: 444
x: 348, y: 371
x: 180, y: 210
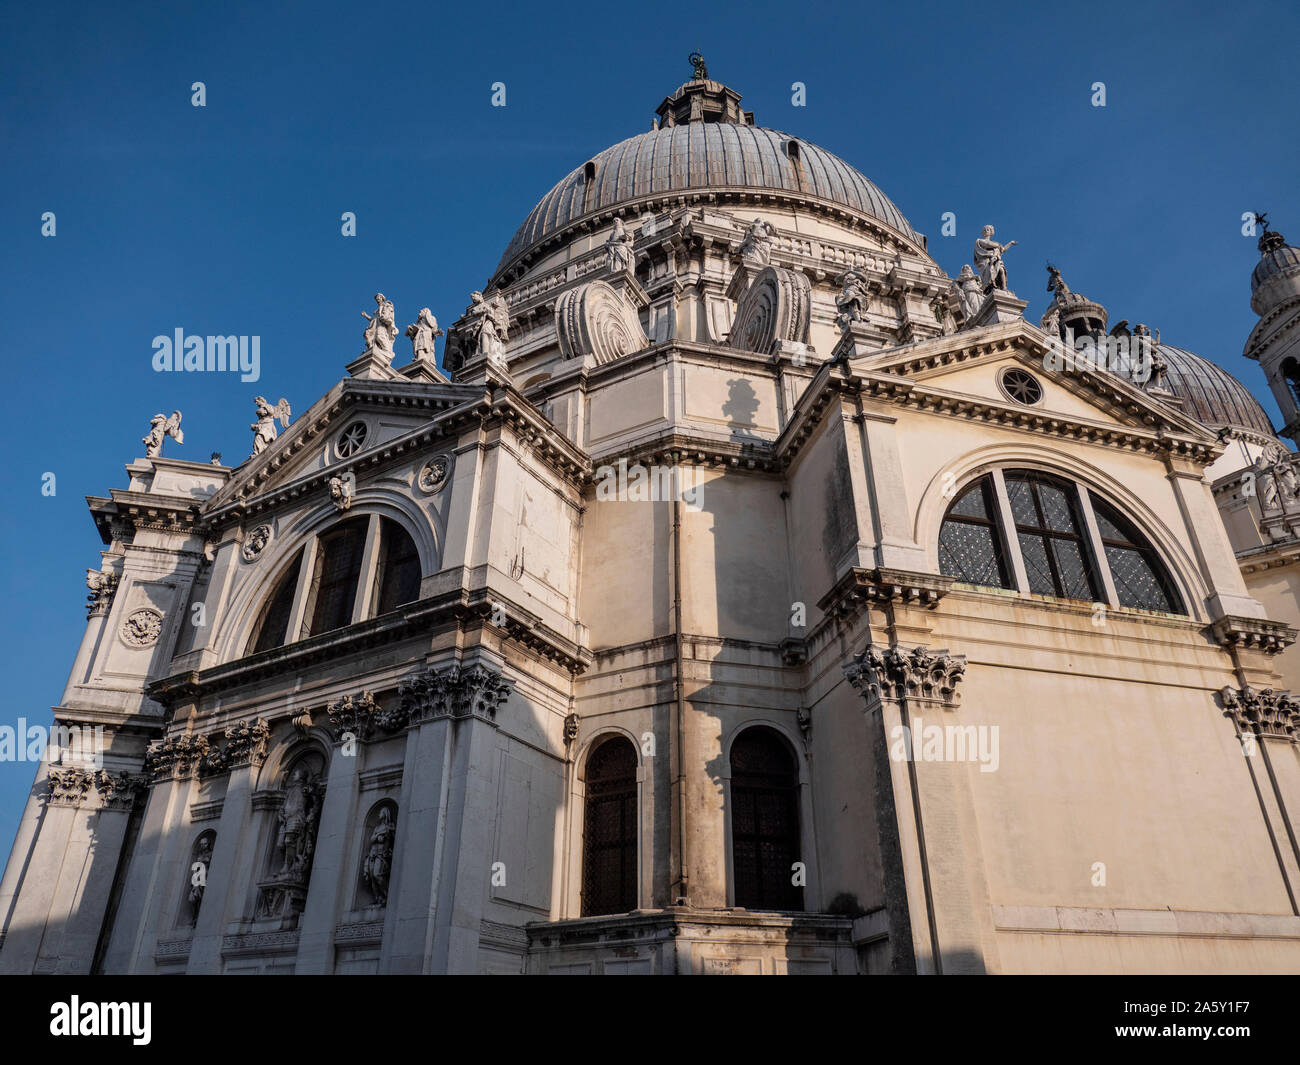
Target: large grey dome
x: 703, y: 152
x: 1211, y: 395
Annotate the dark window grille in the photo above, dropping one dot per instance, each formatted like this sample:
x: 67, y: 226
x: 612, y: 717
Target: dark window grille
x: 1140, y: 578
x: 764, y: 822
x: 334, y: 580
x: 609, y: 833
x: 397, y: 575
x: 970, y: 547
x: 1049, y: 528
x: 274, y: 626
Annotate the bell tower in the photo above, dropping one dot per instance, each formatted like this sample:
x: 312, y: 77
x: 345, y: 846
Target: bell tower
x: 1275, y: 341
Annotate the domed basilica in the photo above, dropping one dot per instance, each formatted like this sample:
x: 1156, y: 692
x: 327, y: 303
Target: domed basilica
x: 741, y: 594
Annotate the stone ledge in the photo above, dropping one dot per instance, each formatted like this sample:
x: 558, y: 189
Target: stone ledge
x: 1085, y: 920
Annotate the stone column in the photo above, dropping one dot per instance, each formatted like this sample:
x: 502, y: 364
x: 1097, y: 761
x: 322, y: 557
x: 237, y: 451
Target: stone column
x: 233, y: 857
x: 928, y: 835
x: 351, y: 722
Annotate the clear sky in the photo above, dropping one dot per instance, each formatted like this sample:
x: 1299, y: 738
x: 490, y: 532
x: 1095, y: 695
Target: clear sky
x: 225, y: 219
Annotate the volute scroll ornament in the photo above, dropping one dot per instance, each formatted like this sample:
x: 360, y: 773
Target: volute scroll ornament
x: 595, y: 319
x: 776, y: 307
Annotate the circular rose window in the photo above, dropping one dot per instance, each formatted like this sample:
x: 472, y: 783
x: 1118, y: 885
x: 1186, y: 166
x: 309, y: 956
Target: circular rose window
x: 352, y: 439
x: 1021, y: 386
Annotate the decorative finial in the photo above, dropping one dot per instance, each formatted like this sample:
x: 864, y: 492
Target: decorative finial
x: 699, y: 71
x: 1269, y: 239
x: 1261, y: 220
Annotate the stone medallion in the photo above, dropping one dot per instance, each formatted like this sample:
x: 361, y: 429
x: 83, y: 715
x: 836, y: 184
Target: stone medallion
x: 142, y: 627
x: 255, y: 543
x: 434, y: 474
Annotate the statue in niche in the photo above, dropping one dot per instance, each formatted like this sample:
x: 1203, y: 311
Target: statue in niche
x: 969, y: 291
x: 757, y: 244
x: 264, y: 428
x: 161, y: 427
x: 381, y: 330
x: 618, y: 249
x: 988, y: 260
x: 852, y: 301
x: 423, y: 332
x: 490, y: 323
x: 379, y: 858
x: 199, y: 867
x: 298, y: 816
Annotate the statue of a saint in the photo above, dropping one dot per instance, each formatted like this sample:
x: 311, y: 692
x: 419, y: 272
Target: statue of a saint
x: 852, y: 301
x: 161, y: 427
x: 264, y: 428
x: 491, y: 323
x: 968, y: 289
x: 381, y: 330
x: 199, y: 876
x: 379, y: 858
x: 988, y: 260
x: 757, y: 244
x: 618, y: 249
x: 296, y: 840
x: 423, y: 332
x: 1056, y: 283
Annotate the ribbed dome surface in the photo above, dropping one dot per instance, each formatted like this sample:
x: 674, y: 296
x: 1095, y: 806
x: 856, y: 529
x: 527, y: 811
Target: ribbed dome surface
x: 1212, y: 395
x: 698, y: 155
x: 1274, y: 263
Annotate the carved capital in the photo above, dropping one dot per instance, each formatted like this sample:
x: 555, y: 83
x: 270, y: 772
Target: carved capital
x: 246, y: 743
x: 454, y: 692
x: 176, y: 758
x: 354, y: 715
x: 1263, y: 711
x: 119, y: 791
x: 919, y: 674
x: 102, y: 586
x: 68, y: 786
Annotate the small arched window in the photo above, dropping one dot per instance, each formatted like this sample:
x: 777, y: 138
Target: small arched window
x: 764, y: 822
x: 609, y: 830
x: 1291, y: 374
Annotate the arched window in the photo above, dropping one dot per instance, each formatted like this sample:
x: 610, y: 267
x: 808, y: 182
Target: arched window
x: 970, y: 546
x: 397, y: 575
x: 357, y: 569
x: 1141, y: 580
x: 764, y: 821
x: 272, y: 629
x: 1048, y: 536
x: 1050, y: 532
x: 609, y: 830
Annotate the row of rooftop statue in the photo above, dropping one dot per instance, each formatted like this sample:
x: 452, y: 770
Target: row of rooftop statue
x: 487, y: 320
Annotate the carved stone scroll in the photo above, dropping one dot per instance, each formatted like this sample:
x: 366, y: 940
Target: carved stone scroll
x: 776, y: 307
x: 595, y: 319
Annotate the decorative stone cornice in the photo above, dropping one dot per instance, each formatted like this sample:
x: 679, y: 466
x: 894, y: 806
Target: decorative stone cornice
x: 455, y: 692
x: 1262, y: 711
x: 899, y: 675
x: 353, y: 715
x: 68, y: 786
x: 1257, y: 634
x: 860, y: 587
x: 176, y: 758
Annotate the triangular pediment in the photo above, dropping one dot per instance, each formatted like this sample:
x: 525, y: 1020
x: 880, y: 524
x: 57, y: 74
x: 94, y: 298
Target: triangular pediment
x: 974, y: 365
x: 353, y: 418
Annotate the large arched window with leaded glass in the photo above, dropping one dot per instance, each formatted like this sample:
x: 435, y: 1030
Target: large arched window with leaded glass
x: 609, y: 830
x: 970, y: 544
x: 1051, y: 534
x: 764, y: 822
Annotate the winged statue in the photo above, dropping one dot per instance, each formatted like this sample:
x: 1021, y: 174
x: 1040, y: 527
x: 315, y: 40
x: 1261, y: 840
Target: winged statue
x: 161, y: 427
x: 264, y: 432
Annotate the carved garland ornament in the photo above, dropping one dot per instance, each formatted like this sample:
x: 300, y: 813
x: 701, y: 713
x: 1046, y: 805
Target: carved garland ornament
x: 594, y: 318
x: 892, y: 673
x: 776, y: 307
x: 434, y: 474
x: 142, y: 627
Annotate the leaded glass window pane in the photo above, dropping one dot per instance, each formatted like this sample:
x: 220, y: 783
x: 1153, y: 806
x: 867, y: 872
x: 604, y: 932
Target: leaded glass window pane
x: 609, y: 830
x: 1140, y: 578
x: 1037, y: 568
x: 1049, y: 529
x: 970, y: 548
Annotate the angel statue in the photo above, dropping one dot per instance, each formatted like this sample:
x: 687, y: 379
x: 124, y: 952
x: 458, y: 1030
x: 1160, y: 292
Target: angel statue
x: 161, y: 427
x: 423, y: 332
x: 382, y: 329
x: 491, y: 322
x: 988, y: 260
x: 264, y: 428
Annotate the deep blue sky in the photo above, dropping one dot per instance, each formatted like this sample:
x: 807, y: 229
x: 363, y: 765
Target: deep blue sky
x: 225, y: 219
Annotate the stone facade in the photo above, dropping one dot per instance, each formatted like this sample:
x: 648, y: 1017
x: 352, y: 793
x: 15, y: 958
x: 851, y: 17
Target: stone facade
x: 405, y: 780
